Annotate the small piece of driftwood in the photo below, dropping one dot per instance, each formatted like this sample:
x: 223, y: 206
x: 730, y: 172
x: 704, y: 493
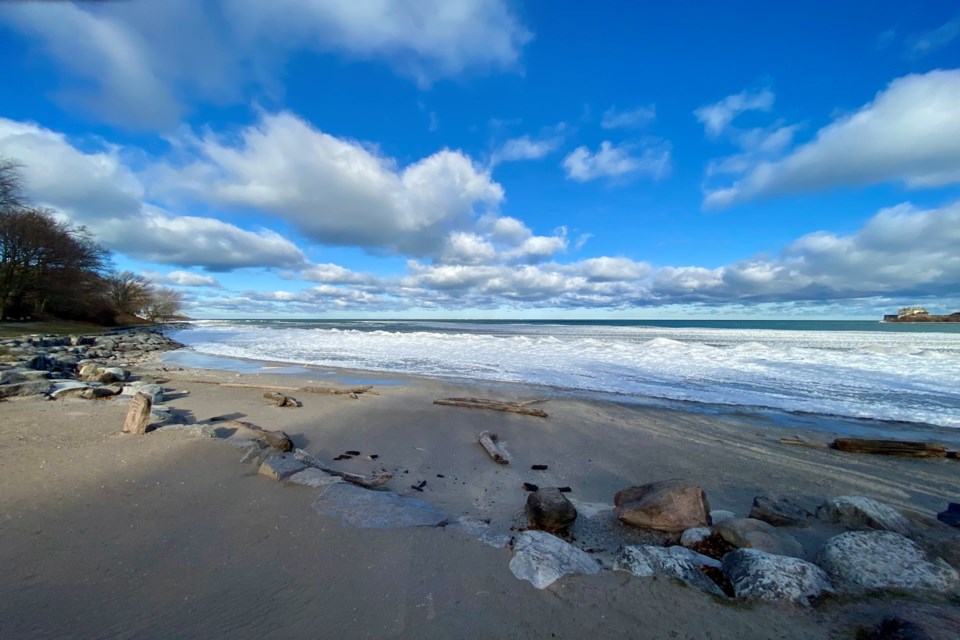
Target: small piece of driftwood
x: 903, y: 448
x: 495, y: 405
x: 281, y: 399
x: 494, y: 447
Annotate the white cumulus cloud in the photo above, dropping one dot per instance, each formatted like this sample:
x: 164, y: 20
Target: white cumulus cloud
x: 618, y: 162
x: 909, y: 133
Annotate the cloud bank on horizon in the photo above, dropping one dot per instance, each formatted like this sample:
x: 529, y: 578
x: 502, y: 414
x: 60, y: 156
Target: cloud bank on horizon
x: 462, y: 158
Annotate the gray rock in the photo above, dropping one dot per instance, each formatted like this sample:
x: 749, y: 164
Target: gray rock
x: 550, y: 510
x: 765, y: 576
x: 94, y: 393
x: 11, y: 376
x: 857, y: 512
x: 883, y: 560
x: 311, y: 477
x: 694, y: 536
x: 778, y: 511
x: 281, y: 467
x: 28, y: 388
x: 719, y: 515
x: 542, y: 559
x: 678, y: 562
x: 357, y: 507
x: 756, y: 534
x: 161, y: 412
x: 68, y: 389
x: 155, y: 391
x: 119, y: 374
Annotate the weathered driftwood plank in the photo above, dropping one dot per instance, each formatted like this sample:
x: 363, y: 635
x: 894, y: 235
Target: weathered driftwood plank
x: 494, y: 447
x: 904, y: 448
x: 375, y: 481
x: 495, y: 405
x: 326, y: 391
x: 138, y: 414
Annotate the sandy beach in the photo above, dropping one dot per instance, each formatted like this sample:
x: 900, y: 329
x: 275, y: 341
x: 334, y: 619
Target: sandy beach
x: 168, y: 535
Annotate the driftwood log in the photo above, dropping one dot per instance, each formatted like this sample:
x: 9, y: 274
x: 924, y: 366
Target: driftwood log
x: 494, y: 447
x: 903, y: 448
x: 495, y: 405
x: 281, y: 399
x: 323, y: 391
x: 274, y: 439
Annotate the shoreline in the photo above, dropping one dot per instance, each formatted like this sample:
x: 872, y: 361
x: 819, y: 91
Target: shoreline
x: 167, y: 534
x: 810, y: 423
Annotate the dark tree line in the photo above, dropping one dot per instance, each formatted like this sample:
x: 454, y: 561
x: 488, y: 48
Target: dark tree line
x: 49, y: 267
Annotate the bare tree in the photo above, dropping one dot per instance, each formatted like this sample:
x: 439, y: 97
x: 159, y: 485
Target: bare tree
x: 164, y: 304
x: 129, y: 292
x: 11, y: 186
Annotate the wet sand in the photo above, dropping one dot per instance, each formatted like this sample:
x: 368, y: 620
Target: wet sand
x: 168, y: 535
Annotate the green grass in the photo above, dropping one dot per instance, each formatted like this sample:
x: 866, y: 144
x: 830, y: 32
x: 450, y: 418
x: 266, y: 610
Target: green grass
x: 57, y: 327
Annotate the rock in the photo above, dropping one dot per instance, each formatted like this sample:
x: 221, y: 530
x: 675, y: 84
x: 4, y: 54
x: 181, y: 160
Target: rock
x: 68, y: 389
x: 670, y: 505
x: 766, y: 576
x: 719, y: 515
x: 21, y: 375
x: 27, y: 388
x: 678, y: 562
x: 161, y: 413
x: 138, y: 414
x: 756, y: 534
x: 856, y: 512
x: 883, y: 560
x: 778, y: 511
x: 94, y: 393
x: 358, y: 507
x: 542, y: 559
x: 155, y: 391
x: 281, y: 467
x: 896, y: 628
x: 311, y: 477
x: 480, y: 530
x: 118, y: 373
x: 550, y: 510
x: 951, y: 516
x: 694, y: 536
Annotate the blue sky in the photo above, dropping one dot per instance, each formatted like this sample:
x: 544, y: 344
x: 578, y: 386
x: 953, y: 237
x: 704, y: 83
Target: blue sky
x: 485, y: 158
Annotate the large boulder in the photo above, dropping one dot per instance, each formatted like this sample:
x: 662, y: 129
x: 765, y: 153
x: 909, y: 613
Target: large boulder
x: 883, y: 560
x: 542, y: 559
x: 678, y: 562
x: 670, y: 505
x: 28, y: 388
x: 778, y: 511
x: 766, y: 576
x: 756, y: 534
x: 68, y: 389
x: 550, y: 510
x: 857, y: 512
x: 19, y: 374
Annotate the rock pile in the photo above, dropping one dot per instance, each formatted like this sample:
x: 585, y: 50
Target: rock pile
x: 79, y: 366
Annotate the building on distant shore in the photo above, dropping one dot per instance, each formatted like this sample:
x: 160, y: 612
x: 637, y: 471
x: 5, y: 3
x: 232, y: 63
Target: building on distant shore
x: 912, y: 311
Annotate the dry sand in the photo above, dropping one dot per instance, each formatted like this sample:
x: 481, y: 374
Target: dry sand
x: 107, y: 535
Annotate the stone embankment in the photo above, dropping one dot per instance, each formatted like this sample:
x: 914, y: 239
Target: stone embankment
x: 90, y: 366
